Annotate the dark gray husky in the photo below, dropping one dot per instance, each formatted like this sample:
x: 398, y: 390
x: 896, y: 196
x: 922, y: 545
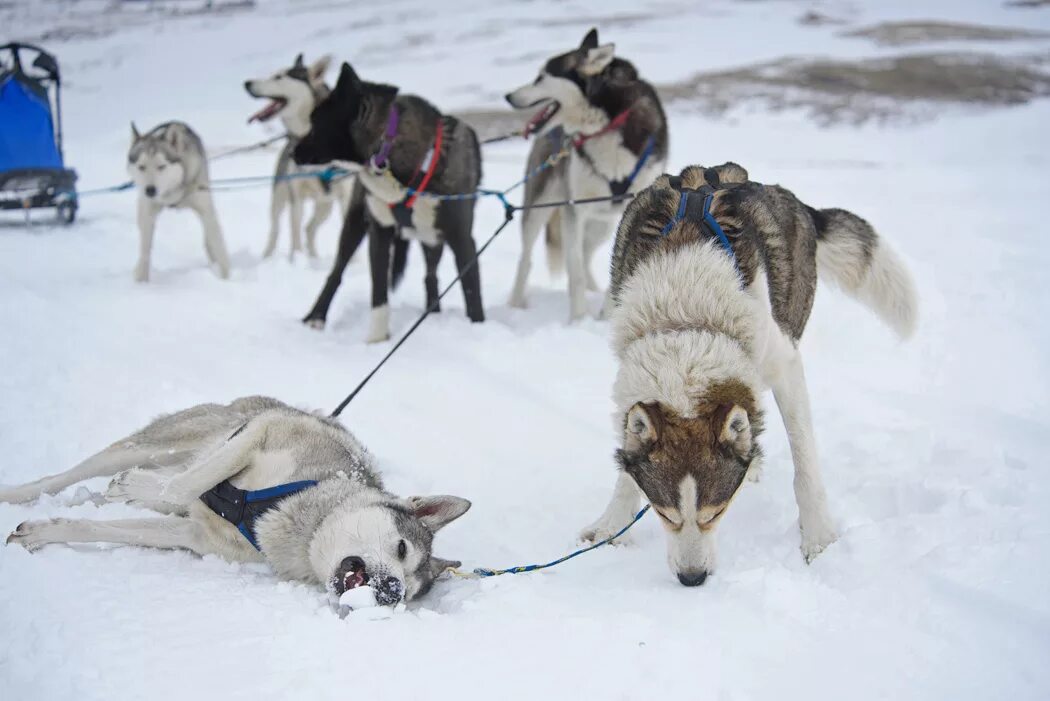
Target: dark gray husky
x: 397, y: 142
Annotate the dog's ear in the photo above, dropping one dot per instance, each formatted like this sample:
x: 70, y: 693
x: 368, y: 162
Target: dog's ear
x: 348, y: 79
x: 734, y: 429
x: 641, y: 426
x: 175, y: 139
x: 298, y: 62
x: 596, y: 60
x: 319, y: 67
x: 439, y: 565
x: 590, y: 41
x: 436, y: 512
x: 135, y: 135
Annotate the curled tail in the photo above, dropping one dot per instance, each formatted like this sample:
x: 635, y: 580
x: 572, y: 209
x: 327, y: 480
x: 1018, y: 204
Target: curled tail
x: 555, y: 256
x: 853, y: 257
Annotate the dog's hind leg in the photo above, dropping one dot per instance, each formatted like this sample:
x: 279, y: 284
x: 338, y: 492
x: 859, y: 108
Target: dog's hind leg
x: 533, y: 222
x: 278, y: 201
x: 165, y: 533
x: 202, y: 204
x: 107, y: 463
x: 350, y: 237
x: 789, y: 390
x: 594, y: 234
x: 322, y: 208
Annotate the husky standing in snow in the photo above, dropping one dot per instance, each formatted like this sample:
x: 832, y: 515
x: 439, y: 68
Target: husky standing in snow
x: 259, y: 481
x: 293, y: 94
x: 617, y: 131
x: 170, y: 169
x: 396, y: 142
x: 713, y: 279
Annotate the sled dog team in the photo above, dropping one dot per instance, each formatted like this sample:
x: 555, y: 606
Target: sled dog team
x: 713, y: 277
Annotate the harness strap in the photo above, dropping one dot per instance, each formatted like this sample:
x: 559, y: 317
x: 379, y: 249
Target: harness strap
x: 430, y: 162
x: 615, y: 124
x: 698, y: 207
x: 619, y: 187
x: 381, y: 158
x: 242, y: 507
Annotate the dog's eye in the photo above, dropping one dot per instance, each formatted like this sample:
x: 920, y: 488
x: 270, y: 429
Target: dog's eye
x: 715, y: 516
x: 669, y: 521
x: 402, y: 550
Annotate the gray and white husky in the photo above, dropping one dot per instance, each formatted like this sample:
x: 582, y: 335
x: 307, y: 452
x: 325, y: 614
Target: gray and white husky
x: 169, y: 167
x: 700, y: 332
x: 343, y: 532
x: 293, y: 93
x: 581, y: 94
x: 361, y: 123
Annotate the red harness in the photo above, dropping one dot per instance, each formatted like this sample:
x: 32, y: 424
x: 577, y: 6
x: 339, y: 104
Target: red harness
x: 435, y: 156
x: 615, y: 124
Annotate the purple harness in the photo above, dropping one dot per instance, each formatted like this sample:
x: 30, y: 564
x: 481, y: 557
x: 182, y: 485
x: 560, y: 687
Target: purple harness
x: 381, y: 159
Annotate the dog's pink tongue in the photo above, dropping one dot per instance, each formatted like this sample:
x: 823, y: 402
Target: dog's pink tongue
x: 537, y: 119
x: 353, y: 580
x: 266, y: 112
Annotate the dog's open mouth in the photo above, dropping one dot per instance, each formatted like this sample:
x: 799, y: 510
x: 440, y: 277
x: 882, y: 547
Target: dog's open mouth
x: 540, y: 119
x: 270, y: 111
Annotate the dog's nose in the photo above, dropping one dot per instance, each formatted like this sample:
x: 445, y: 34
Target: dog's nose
x: 248, y: 85
x: 508, y: 98
x: 389, y: 590
x: 150, y: 191
x: 692, y: 579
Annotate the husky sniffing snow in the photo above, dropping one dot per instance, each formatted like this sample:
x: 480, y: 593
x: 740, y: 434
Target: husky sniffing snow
x: 590, y: 94
x: 700, y: 332
x: 293, y: 93
x: 170, y: 169
x: 257, y: 480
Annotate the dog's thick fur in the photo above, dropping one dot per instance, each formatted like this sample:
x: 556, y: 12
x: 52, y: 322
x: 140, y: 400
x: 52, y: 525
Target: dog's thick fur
x: 348, y: 127
x: 345, y: 525
x: 169, y: 168
x: 294, y: 93
x: 699, y: 336
x: 587, y: 88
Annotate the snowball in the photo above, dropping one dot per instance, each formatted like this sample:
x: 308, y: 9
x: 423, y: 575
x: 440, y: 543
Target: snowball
x: 358, y: 598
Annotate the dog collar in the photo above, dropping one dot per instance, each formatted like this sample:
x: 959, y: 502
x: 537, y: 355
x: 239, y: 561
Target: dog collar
x: 381, y: 158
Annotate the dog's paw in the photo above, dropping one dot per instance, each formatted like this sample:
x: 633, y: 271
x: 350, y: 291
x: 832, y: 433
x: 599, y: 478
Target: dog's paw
x: 135, y: 485
x: 142, y: 273
x: 518, y: 302
x: 815, y: 539
x: 603, y: 529
x: 316, y: 324
x: 32, y: 535
x: 223, y: 272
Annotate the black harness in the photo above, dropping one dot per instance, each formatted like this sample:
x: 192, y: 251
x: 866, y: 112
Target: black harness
x: 243, y: 507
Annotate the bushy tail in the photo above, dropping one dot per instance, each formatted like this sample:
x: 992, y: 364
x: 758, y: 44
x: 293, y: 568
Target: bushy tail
x: 397, y: 268
x: 555, y: 255
x: 851, y: 256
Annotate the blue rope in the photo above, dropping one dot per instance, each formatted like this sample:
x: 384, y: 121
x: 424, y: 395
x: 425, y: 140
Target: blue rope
x: 482, y: 572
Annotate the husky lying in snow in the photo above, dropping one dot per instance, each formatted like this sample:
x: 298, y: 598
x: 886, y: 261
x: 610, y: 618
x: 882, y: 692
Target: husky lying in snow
x: 256, y: 480
x: 699, y: 332
x: 394, y: 142
x: 293, y: 94
x: 170, y: 169
x: 582, y: 92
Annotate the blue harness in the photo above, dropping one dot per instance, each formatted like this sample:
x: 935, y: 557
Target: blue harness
x: 696, y: 205
x: 242, y: 507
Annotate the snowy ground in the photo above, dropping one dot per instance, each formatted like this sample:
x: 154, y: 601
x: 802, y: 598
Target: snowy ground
x: 937, y: 587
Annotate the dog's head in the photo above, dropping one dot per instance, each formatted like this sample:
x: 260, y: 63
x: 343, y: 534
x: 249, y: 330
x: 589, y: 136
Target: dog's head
x: 384, y: 543
x: 155, y: 165
x: 690, y: 466
x: 292, y: 94
x: 562, y: 88
x: 348, y: 125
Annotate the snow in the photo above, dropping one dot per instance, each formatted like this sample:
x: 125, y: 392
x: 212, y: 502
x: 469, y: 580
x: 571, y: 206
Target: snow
x: 932, y: 450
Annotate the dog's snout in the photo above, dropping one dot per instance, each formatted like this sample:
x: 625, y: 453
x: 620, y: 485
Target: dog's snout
x: 248, y: 87
x: 151, y: 191
x: 388, y: 590
x: 692, y: 579
x: 509, y: 97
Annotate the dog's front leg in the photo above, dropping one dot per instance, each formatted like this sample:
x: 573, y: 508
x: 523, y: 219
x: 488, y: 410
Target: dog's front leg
x: 164, y: 533
x: 322, y: 208
x: 214, y: 246
x: 380, y: 243
x: 278, y: 200
x: 147, y: 220
x: 572, y: 233
x: 621, y: 509
x: 789, y: 390
x: 295, y: 218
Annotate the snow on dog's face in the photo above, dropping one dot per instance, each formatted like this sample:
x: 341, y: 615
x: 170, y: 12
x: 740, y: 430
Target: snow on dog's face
x: 384, y: 544
x: 291, y: 93
x: 155, y: 167
x: 348, y: 125
x: 690, y: 468
x: 560, y: 90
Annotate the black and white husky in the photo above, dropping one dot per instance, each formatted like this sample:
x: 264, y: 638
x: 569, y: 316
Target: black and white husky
x: 169, y: 168
x: 396, y: 142
x: 713, y: 279
x: 293, y: 93
x: 614, y: 125
x: 258, y: 481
